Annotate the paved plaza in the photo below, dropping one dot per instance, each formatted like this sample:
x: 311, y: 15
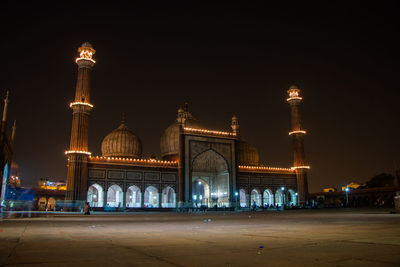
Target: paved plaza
x: 281, y: 238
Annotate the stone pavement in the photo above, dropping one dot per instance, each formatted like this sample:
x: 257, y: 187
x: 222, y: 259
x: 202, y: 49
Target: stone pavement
x: 282, y: 238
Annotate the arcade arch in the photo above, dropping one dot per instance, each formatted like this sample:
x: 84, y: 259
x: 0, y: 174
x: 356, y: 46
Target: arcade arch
x: 151, y: 197
x: 114, y: 196
x: 95, y: 195
x: 255, y: 198
x: 168, y: 198
x: 268, y: 197
x: 133, y: 197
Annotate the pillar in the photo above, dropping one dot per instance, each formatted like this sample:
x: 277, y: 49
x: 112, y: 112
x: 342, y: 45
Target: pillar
x: 297, y: 133
x: 78, y: 151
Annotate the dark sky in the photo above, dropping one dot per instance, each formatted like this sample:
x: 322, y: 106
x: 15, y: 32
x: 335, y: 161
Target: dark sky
x: 226, y: 59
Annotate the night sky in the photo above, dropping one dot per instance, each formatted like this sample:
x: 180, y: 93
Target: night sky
x: 225, y: 60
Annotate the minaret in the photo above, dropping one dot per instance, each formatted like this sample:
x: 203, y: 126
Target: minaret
x: 297, y: 133
x: 235, y: 125
x: 4, y: 118
x: 78, y: 151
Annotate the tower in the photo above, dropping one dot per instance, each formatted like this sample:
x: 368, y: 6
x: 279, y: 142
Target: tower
x: 297, y: 134
x: 235, y: 125
x: 78, y: 151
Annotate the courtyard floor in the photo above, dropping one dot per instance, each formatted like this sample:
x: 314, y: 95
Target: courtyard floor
x: 281, y: 238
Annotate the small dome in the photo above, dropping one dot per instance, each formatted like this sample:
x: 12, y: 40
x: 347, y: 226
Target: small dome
x: 169, y: 143
x: 87, y: 44
x: 247, y: 154
x: 121, y: 142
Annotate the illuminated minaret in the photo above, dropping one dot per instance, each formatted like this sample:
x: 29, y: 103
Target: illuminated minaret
x: 78, y: 151
x: 297, y: 133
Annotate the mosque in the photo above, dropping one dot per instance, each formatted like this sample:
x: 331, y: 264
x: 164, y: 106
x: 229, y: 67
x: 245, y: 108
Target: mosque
x: 198, y: 166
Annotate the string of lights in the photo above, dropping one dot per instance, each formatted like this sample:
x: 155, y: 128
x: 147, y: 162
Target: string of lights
x: 194, y: 130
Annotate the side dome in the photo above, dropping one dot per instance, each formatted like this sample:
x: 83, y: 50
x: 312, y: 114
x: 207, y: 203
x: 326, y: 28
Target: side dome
x: 247, y: 154
x: 121, y: 142
x: 169, y: 143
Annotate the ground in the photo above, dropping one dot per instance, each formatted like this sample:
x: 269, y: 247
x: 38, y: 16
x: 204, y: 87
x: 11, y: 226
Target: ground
x: 280, y: 238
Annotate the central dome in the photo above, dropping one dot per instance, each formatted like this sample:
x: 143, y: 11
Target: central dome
x: 247, y: 154
x: 121, y: 142
x: 169, y: 143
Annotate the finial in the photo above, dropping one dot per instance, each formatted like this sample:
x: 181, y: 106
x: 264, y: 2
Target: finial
x: 4, y: 118
x: 123, y: 118
x: 181, y: 116
x: 13, y: 131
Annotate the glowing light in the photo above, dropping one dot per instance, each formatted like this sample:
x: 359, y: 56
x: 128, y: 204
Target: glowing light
x: 203, y: 131
x: 282, y: 188
x: 80, y: 103
x: 77, y: 152
x: 293, y: 93
x: 145, y: 162
x: 294, y: 98
x: 265, y: 168
x: 297, y: 132
x: 86, y: 54
x: 300, y: 167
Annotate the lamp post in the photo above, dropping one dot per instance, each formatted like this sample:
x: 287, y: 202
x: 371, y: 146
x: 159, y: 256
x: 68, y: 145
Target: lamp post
x: 297, y: 199
x: 283, y: 197
x: 236, y: 196
x: 347, y: 196
x: 195, y: 199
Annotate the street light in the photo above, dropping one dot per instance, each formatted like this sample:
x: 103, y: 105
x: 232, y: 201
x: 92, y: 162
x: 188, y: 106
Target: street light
x: 236, y: 196
x: 283, y: 201
x: 347, y: 195
x: 297, y: 198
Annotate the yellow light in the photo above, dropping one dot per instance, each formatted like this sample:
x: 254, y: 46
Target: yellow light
x: 77, y: 152
x: 265, y: 168
x: 208, y: 131
x: 146, y: 162
x: 293, y: 93
x: 86, y: 54
x: 300, y: 167
x: 297, y: 132
x: 80, y: 103
x: 294, y: 98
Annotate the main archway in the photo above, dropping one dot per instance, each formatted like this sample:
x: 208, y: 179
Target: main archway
x: 210, y: 180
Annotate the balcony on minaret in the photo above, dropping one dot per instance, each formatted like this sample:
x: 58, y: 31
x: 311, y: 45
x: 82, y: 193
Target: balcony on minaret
x: 294, y: 94
x: 86, y: 52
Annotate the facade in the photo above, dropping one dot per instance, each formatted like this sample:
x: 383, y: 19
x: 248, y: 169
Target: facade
x: 198, y: 166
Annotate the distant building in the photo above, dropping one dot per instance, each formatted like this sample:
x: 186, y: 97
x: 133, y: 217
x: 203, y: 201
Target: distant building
x: 352, y: 185
x: 330, y: 189
x: 366, y: 197
x: 49, y: 192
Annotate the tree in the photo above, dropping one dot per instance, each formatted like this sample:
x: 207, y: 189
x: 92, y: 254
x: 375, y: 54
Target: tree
x: 381, y: 180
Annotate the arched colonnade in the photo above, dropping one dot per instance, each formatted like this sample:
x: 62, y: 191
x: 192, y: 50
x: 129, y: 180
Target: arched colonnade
x: 114, y: 197
x: 267, y: 197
